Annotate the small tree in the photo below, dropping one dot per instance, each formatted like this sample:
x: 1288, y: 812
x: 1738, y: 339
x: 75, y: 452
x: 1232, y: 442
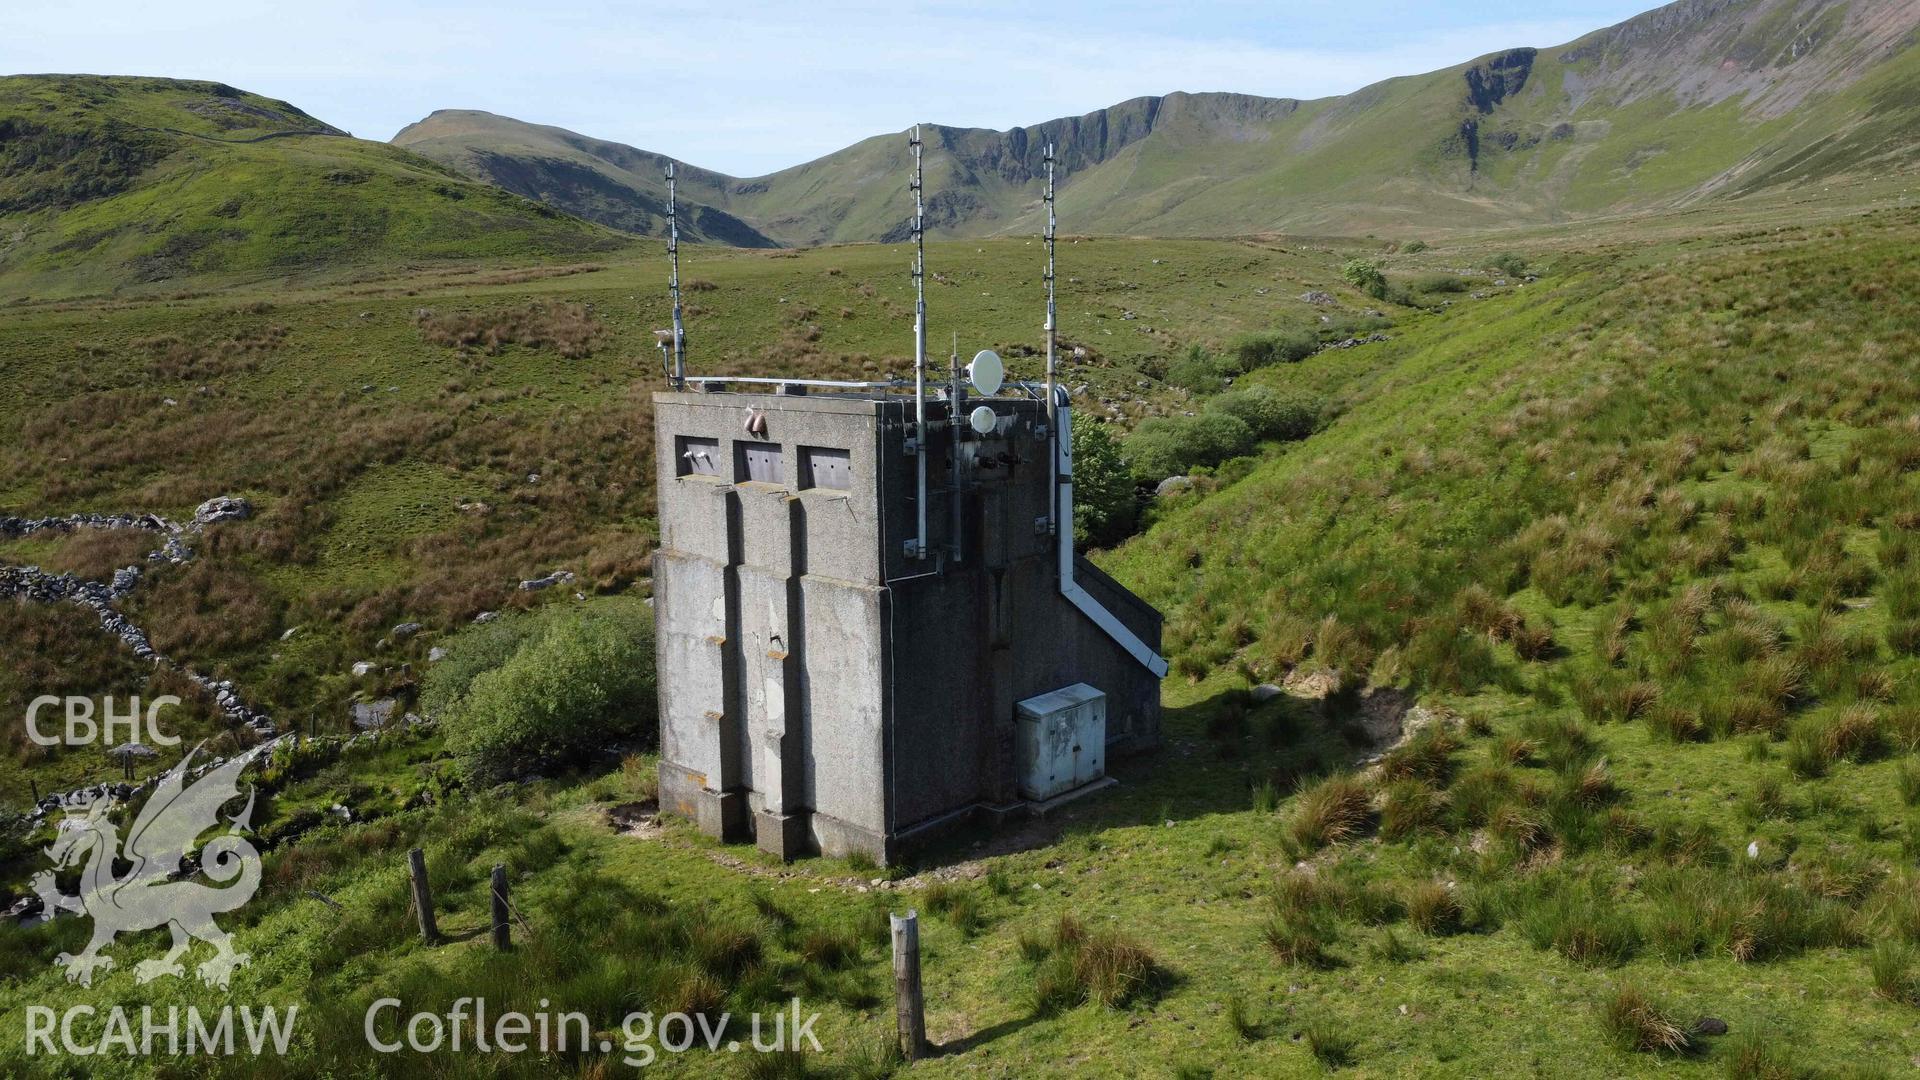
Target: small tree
x: 1365, y: 275
x: 1103, y: 492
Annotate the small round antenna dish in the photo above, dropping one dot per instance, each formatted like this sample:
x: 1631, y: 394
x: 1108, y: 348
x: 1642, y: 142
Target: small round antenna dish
x: 987, y: 372
x: 983, y: 420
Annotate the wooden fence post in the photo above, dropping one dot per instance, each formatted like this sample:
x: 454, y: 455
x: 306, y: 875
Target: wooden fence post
x: 909, y: 1008
x: 502, y: 934
x: 422, y: 896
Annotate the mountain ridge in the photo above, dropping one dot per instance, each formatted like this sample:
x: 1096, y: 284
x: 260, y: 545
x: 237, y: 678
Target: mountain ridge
x: 1516, y: 136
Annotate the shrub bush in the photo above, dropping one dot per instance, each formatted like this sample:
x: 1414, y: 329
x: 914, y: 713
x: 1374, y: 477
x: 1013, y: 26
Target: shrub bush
x: 1507, y: 263
x: 1197, y: 372
x: 1287, y: 346
x: 582, y: 683
x: 1169, y: 446
x: 1438, y: 283
x: 1270, y: 413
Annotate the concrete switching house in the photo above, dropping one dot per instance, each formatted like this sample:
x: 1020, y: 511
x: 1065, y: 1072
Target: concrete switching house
x: 870, y: 618
x: 822, y: 685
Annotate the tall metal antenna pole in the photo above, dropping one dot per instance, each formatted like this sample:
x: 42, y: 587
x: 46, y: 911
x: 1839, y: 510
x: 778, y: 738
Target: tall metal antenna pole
x: 1053, y: 409
x: 919, y: 348
x: 673, y: 285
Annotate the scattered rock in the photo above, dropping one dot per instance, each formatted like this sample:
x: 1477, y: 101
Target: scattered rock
x: 290, y: 631
x: 558, y: 577
x: 1709, y: 1025
x: 363, y: 669
x: 405, y: 630
x: 1318, y: 298
x: 486, y: 616
x: 436, y: 654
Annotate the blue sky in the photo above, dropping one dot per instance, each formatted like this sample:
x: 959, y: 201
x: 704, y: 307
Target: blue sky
x: 751, y: 87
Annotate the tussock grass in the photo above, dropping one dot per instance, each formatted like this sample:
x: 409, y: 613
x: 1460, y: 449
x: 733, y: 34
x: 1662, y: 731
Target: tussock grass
x: 1907, y: 781
x: 959, y: 904
x: 1240, y: 1019
x: 1635, y: 1021
x: 1300, y: 940
x: 1333, y: 811
x: 1411, y: 807
x: 1892, y: 967
x: 1433, y: 909
x: 1427, y: 757
x: 1761, y: 1055
x: 1746, y: 917
x: 1579, y: 921
x: 1331, y: 1044
x: 1076, y: 966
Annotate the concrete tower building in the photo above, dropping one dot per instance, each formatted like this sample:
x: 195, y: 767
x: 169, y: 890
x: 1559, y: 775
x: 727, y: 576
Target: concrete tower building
x: 872, y: 623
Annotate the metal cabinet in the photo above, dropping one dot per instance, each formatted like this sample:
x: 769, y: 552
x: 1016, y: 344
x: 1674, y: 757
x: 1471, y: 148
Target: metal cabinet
x: 1061, y: 741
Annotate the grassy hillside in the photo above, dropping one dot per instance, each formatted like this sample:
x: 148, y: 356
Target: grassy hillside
x: 111, y: 183
x: 1635, y: 536
x: 1701, y: 99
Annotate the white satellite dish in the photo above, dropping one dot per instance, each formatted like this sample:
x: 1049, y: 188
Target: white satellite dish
x: 987, y: 372
x: 983, y: 420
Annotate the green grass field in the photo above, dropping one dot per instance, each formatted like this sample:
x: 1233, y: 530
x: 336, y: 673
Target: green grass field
x: 1636, y: 537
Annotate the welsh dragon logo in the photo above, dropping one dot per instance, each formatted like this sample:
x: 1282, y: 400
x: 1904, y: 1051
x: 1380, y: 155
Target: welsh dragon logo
x: 150, y: 895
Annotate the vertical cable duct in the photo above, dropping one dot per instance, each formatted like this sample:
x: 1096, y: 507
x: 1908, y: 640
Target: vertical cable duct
x: 919, y: 547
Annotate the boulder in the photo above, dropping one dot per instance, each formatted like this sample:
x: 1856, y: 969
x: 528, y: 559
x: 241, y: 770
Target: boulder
x: 1172, y: 485
x: 373, y: 715
x: 363, y: 669
x: 222, y: 508
x: 436, y: 654
x: 1318, y: 298
x: 405, y: 630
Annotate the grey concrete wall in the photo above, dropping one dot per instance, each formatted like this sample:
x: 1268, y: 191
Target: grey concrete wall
x: 818, y: 685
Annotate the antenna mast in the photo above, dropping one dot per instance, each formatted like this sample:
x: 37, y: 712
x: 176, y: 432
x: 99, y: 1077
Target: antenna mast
x: 919, y: 543
x: 1053, y: 417
x: 678, y: 379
